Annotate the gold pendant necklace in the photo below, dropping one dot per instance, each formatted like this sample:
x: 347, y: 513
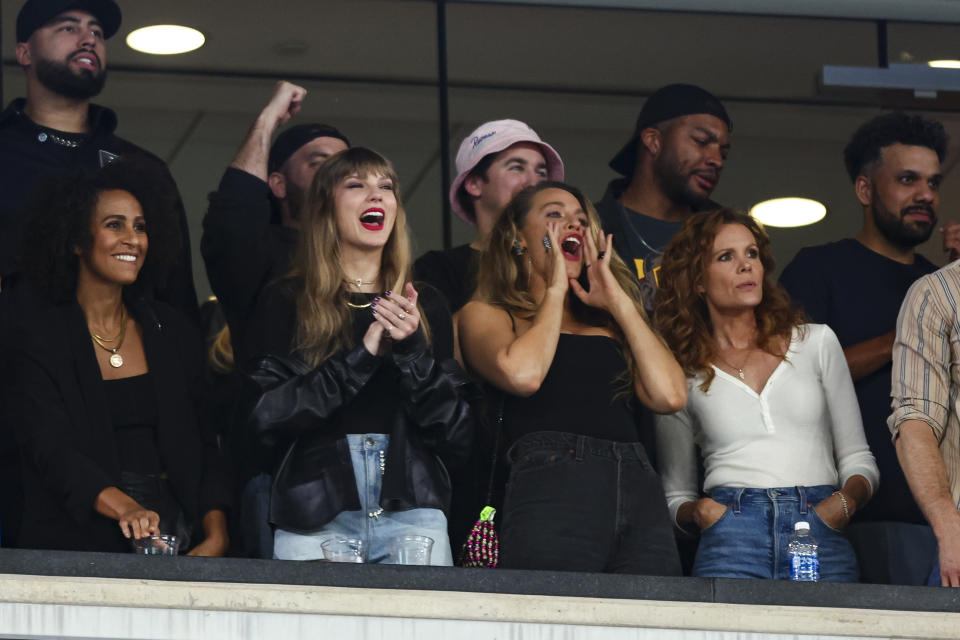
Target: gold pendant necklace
x: 116, y: 360
x: 740, y: 368
x: 359, y: 282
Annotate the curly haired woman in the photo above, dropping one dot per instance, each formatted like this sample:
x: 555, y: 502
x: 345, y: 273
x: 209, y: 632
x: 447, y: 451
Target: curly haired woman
x: 771, y: 407
x: 102, y: 379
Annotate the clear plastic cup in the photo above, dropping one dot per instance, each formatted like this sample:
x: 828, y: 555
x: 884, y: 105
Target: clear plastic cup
x: 411, y: 550
x: 344, y: 550
x: 162, y: 545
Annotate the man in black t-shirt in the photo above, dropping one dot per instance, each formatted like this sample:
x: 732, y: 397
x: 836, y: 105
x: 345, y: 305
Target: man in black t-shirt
x: 495, y: 162
x: 856, y: 286
x: 671, y: 165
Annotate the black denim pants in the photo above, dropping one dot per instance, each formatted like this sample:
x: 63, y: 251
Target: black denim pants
x: 577, y: 503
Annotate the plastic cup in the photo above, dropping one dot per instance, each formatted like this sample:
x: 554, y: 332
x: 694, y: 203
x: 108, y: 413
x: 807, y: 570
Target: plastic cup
x: 162, y: 545
x: 411, y: 550
x: 344, y: 550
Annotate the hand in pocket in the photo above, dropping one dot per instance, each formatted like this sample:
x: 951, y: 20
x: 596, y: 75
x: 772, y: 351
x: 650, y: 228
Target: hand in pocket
x: 707, y: 512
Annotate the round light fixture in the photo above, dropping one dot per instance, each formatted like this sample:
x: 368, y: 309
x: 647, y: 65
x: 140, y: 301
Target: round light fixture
x: 945, y: 64
x: 165, y: 39
x: 788, y: 212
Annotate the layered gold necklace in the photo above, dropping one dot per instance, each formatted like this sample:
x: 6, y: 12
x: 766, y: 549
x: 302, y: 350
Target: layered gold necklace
x: 359, y: 282
x: 116, y: 360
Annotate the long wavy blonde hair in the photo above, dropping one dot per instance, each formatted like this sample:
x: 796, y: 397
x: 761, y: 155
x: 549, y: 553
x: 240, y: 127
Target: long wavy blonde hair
x: 324, y: 321
x: 503, y: 278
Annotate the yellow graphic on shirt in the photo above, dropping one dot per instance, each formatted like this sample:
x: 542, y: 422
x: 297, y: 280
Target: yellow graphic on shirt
x: 641, y: 274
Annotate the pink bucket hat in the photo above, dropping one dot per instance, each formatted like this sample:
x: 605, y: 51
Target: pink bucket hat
x: 493, y: 137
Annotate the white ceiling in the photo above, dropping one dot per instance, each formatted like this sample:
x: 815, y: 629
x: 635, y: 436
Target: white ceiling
x: 578, y: 75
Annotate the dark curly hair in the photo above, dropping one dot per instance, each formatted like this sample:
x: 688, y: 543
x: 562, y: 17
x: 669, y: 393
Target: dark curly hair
x: 863, y: 150
x: 680, y: 312
x: 59, y: 216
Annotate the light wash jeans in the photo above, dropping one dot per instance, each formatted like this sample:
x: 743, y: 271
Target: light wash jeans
x: 368, y: 452
x: 750, y: 538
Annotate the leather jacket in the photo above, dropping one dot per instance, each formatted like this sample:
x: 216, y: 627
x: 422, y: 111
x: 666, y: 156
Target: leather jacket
x: 314, y: 479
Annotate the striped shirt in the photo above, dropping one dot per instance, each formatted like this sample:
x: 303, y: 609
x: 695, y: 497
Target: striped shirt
x: 926, y: 364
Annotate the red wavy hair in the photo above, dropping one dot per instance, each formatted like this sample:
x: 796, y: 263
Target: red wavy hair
x: 680, y: 312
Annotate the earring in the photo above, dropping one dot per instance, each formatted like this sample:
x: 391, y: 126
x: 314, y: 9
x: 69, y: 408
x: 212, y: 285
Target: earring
x: 517, y: 249
x: 546, y: 243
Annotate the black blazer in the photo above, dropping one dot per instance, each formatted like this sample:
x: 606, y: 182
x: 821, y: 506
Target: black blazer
x: 58, y: 410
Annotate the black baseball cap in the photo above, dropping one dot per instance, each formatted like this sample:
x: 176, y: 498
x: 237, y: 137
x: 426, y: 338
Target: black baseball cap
x: 293, y: 138
x: 36, y: 13
x: 671, y: 101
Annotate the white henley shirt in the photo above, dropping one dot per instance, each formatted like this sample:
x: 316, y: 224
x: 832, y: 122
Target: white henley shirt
x: 803, y: 429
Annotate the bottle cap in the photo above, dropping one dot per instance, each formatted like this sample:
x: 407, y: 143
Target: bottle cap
x: 802, y: 526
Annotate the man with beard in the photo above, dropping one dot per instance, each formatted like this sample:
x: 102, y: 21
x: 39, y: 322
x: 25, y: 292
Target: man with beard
x: 61, y: 46
x: 249, y: 234
x: 671, y: 164
x: 856, y: 286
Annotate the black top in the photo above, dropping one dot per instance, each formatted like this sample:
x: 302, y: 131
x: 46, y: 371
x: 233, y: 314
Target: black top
x: 271, y: 332
x: 858, y: 292
x: 243, y: 249
x: 29, y: 151
x: 56, y: 402
x: 301, y: 413
x: 579, y: 395
x: 452, y: 272
x: 133, y: 411
x: 638, y: 238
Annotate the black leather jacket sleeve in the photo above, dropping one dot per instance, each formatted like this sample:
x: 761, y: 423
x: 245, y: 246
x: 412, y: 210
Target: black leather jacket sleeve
x: 294, y: 399
x: 437, y: 400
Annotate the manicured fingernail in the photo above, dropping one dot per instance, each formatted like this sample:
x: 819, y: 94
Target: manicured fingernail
x: 377, y: 299
x: 373, y: 304
x: 373, y: 311
x: 387, y: 293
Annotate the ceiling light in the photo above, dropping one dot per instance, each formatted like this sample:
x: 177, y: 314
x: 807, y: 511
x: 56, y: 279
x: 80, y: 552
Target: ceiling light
x: 788, y: 212
x: 165, y: 39
x: 944, y: 64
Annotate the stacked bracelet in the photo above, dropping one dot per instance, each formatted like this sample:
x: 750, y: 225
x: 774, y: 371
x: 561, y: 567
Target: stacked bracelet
x: 843, y: 502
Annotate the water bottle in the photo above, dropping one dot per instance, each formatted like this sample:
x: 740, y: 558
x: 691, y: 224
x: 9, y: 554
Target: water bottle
x: 804, y: 565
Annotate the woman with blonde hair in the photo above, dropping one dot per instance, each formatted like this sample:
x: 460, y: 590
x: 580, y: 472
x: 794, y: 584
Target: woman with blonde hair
x: 571, y: 357
x: 355, y: 398
x: 771, y: 407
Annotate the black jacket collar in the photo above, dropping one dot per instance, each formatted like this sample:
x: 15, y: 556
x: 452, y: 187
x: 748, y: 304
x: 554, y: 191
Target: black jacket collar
x: 103, y: 121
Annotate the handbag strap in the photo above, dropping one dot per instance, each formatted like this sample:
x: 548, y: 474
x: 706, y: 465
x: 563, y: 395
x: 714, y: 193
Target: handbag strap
x: 498, y: 430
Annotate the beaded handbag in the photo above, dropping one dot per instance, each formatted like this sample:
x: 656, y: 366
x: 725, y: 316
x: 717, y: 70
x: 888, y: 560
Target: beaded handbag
x: 482, y: 546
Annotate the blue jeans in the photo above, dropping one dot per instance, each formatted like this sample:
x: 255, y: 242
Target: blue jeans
x: 576, y: 503
x: 750, y: 538
x: 372, y: 524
